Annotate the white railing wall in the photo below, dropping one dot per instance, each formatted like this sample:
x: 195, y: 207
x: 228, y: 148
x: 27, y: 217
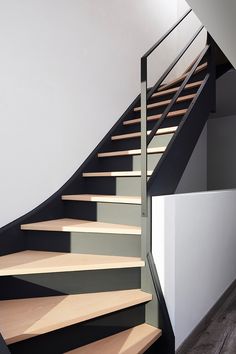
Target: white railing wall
x: 194, y: 243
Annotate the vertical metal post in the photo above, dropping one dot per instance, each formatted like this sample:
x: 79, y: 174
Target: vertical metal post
x: 144, y: 209
x: 211, y: 58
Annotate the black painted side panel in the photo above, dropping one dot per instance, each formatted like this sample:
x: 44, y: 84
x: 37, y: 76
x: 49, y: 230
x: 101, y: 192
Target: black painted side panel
x: 3, y: 347
x: 170, y: 168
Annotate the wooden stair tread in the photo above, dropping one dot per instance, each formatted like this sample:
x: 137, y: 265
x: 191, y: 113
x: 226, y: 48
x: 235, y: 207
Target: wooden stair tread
x: 181, y: 78
x: 36, y: 262
x: 115, y: 174
x: 25, y: 318
x: 76, y: 225
x: 166, y: 102
x: 175, y: 89
x: 174, y: 114
x: 131, y: 341
x: 138, y: 134
x: 103, y: 198
x: 155, y: 150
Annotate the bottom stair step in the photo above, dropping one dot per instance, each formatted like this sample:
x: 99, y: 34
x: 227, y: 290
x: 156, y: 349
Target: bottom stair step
x: 135, y: 340
x: 27, y: 318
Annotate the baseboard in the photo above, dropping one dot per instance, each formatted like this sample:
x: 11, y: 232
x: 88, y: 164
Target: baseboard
x: 197, y: 331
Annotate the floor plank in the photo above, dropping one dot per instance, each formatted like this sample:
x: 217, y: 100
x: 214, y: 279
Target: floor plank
x: 219, y: 334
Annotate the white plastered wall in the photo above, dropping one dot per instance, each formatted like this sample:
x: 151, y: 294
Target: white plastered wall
x: 68, y: 70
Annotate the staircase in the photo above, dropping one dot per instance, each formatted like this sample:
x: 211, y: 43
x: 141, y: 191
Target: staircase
x: 74, y: 274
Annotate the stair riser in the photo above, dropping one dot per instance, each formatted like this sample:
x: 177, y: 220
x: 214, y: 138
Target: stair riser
x: 128, y: 163
x: 119, y: 213
x: 160, y: 140
x: 53, y: 284
x: 127, y: 214
x: 68, y: 338
x: 89, y: 243
x: 153, y: 160
x: 113, y: 185
x: 128, y: 186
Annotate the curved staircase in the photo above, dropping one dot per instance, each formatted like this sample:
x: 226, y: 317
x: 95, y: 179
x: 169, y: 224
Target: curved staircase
x: 71, y: 269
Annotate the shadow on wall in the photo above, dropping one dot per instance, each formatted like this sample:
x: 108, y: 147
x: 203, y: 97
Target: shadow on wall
x: 225, y: 95
x: 221, y: 146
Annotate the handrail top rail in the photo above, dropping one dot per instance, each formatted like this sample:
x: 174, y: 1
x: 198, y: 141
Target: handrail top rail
x: 146, y: 55
x: 172, y: 65
x: 178, y: 93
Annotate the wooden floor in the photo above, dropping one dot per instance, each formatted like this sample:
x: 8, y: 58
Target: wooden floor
x: 219, y: 335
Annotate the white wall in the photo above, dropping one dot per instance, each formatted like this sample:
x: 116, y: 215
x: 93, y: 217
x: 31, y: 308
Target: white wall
x: 68, y: 70
x: 187, y: 29
x: 194, y: 242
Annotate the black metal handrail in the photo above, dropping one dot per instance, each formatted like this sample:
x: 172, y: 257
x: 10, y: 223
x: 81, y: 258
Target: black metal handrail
x: 167, y: 341
x: 173, y: 64
x: 144, y: 97
x: 166, y: 34
x: 145, y: 140
x: 176, y: 96
x: 171, y: 166
x: 170, y: 186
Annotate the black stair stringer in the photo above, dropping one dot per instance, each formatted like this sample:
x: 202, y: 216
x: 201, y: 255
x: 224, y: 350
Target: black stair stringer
x: 171, y: 166
x: 3, y: 347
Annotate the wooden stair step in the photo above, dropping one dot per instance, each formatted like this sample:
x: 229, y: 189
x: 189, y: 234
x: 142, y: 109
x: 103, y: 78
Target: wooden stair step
x: 175, y: 89
x: 103, y: 198
x: 25, y: 318
x: 138, y: 134
x: 155, y: 150
x: 174, y: 114
x: 115, y: 174
x: 38, y: 262
x: 166, y: 102
x: 76, y: 225
x: 132, y: 341
x: 181, y: 78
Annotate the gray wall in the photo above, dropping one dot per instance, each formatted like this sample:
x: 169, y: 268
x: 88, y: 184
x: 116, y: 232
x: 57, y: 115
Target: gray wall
x: 194, y: 178
x: 212, y: 164
x: 221, y: 146
x: 221, y: 172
